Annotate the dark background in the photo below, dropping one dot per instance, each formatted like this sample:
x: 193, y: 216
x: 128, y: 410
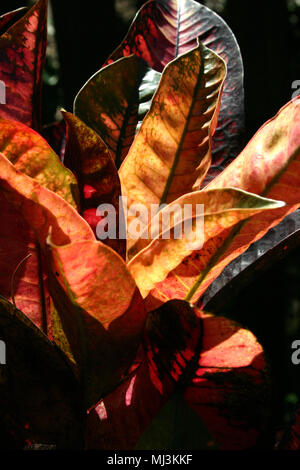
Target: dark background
x: 268, y: 33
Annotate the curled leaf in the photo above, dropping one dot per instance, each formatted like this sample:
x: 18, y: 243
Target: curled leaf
x: 155, y: 267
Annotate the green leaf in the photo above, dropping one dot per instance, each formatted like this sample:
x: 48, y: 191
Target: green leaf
x: 115, y: 100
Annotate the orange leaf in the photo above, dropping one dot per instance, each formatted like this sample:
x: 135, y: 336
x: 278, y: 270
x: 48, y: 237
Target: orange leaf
x: 101, y: 309
x: 29, y: 211
x: 268, y: 166
x: 172, y: 150
x: 32, y: 155
x: 221, y: 209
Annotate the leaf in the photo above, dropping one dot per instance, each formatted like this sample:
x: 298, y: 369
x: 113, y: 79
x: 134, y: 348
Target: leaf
x: 127, y: 417
x: 8, y: 19
x: 21, y: 276
x: 268, y: 166
x: 171, y: 152
x: 167, y: 354
x: 272, y: 247
x: 153, y: 267
x: 28, y: 212
x: 88, y: 157
x: 39, y: 396
x: 114, y: 100
x: 22, y: 56
x: 164, y: 29
x: 230, y: 390
x: 31, y: 154
x: 101, y: 310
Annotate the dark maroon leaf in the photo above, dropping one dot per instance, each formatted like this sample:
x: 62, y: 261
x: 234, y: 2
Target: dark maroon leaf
x: 22, y: 55
x: 39, y: 396
x: 8, y: 19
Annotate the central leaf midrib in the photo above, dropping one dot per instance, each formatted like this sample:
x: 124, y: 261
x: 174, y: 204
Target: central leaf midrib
x: 177, y: 155
x: 127, y: 114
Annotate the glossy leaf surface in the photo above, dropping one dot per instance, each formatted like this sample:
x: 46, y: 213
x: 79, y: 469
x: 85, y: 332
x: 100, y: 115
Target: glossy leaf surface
x: 29, y: 211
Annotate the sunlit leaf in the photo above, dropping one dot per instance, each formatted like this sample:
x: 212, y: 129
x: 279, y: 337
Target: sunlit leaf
x: 154, y: 265
x: 22, y: 55
x: 268, y: 166
x: 88, y: 157
x: 101, y: 310
x: 29, y: 211
x: 230, y: 390
x: 171, y: 152
x: 31, y: 154
x: 130, y: 415
x: 162, y: 30
x: 114, y: 101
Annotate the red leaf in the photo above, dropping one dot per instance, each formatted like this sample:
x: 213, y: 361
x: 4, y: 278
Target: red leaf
x: 229, y: 389
x: 28, y: 211
x: 119, y: 420
x: 88, y: 157
x: 22, y: 55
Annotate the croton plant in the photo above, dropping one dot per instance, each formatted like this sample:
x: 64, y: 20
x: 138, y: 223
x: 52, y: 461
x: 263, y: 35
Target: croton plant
x: 108, y: 341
